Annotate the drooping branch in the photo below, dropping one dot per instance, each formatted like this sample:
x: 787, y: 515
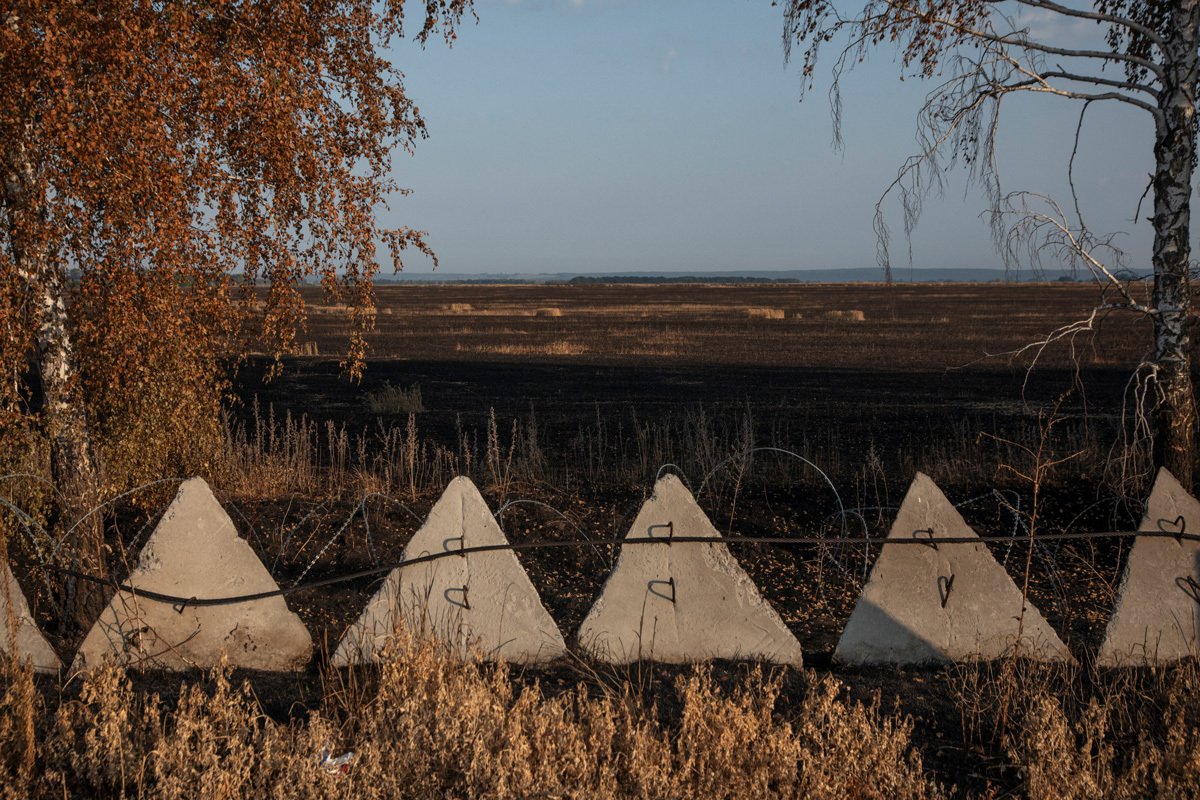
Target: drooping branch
x: 960, y: 117
x: 1041, y: 226
x: 924, y: 34
x: 990, y: 58
x: 959, y: 120
x: 1041, y: 47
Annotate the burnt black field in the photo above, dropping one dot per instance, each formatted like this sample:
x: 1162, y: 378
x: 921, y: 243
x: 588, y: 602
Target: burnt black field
x: 868, y: 383
x: 899, y: 367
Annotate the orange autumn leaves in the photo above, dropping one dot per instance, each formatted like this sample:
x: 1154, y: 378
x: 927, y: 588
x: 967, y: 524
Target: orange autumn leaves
x: 176, y: 155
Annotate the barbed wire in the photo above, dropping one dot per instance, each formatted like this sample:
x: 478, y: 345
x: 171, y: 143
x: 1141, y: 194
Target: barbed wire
x: 316, y: 509
x: 539, y: 504
x: 781, y: 451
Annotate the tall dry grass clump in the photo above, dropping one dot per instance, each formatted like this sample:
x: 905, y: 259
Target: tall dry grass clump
x: 832, y: 748
x: 1077, y: 733
x: 20, y: 712
x: 389, y: 399
x: 427, y: 725
x: 1142, y: 742
x: 445, y: 728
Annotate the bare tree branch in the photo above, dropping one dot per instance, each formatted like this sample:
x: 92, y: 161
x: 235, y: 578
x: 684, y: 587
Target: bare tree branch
x: 1071, y: 165
x: 1018, y: 39
x: 1042, y: 87
x: 1096, y: 16
x: 1098, y: 81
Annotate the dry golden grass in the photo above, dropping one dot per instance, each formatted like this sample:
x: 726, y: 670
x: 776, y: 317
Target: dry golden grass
x: 317, y: 309
x: 766, y: 313
x: 426, y: 725
x: 556, y: 348
x: 1079, y: 733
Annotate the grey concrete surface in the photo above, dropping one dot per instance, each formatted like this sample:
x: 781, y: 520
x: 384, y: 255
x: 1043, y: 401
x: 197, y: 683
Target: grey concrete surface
x: 1157, y: 615
x: 682, y: 602
x: 938, y: 603
x: 480, y: 604
x: 19, y: 634
x: 195, y: 551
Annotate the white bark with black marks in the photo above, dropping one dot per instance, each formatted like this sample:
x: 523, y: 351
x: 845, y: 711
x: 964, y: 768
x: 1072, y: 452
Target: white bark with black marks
x: 1175, y: 161
x: 72, y: 459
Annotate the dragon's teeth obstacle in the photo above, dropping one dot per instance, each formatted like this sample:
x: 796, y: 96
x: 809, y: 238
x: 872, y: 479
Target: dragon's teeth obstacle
x: 1157, y: 616
x: 19, y: 634
x: 684, y: 601
x: 196, y: 552
x: 479, y: 603
x: 937, y: 602
x: 931, y: 600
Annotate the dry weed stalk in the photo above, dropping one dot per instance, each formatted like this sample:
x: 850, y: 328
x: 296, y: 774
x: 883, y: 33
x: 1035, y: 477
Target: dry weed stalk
x: 1041, y: 465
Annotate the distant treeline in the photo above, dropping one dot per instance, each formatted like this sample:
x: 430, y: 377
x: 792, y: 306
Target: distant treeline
x: 861, y: 275
x: 590, y: 279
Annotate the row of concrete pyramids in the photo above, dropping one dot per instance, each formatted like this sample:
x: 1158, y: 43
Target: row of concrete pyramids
x: 932, y: 603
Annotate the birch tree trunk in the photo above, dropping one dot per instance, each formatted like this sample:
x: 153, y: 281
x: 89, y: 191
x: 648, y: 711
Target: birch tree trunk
x: 1175, y: 157
x: 72, y: 461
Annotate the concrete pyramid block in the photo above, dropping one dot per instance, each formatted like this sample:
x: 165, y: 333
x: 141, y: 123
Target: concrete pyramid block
x: 935, y: 603
x: 477, y: 603
x: 682, y: 602
x: 1157, y: 617
x: 196, y: 552
x: 19, y: 634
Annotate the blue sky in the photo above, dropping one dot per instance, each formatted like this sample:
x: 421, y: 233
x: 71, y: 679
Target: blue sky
x: 612, y: 135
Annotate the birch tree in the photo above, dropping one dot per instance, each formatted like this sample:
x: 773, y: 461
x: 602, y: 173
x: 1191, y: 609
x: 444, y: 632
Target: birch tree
x: 176, y: 154
x: 981, y: 56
